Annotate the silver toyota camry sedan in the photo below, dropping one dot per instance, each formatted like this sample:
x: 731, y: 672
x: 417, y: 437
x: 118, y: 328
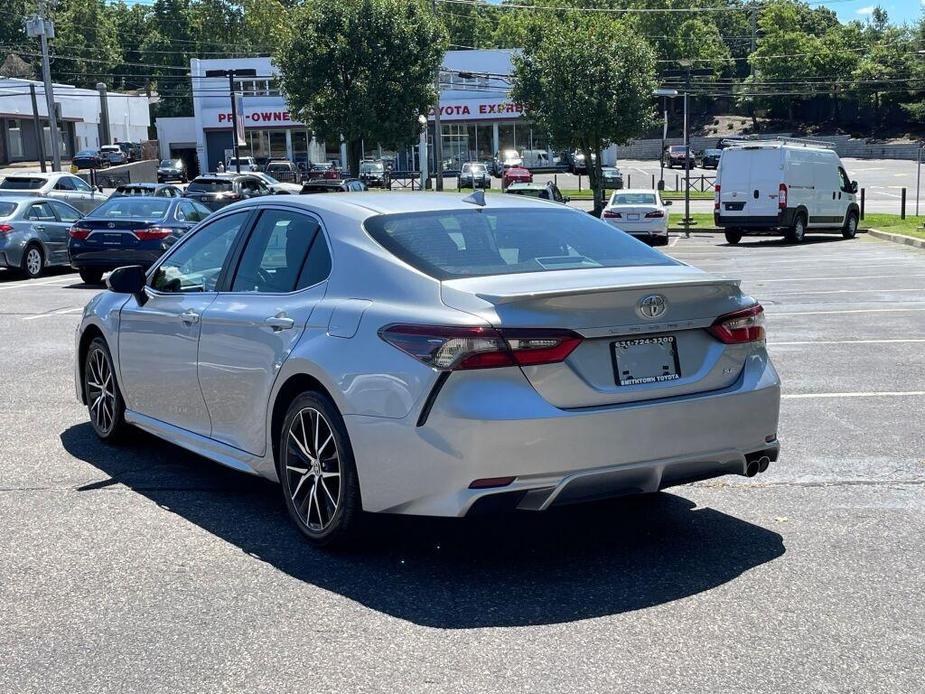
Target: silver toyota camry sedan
x: 431, y: 354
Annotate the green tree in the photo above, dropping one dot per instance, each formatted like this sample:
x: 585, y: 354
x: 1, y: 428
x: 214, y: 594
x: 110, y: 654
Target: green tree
x: 131, y: 25
x: 587, y: 88
x: 85, y: 47
x: 361, y: 70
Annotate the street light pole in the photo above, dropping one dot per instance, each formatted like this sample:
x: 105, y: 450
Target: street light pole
x: 665, y: 94
x: 686, y: 64
x: 438, y: 131
x: 918, y: 177
x: 44, y: 28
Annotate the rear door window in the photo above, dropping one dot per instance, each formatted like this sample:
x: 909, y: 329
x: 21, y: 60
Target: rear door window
x: 276, y: 253
x: 40, y: 212
x: 65, y: 213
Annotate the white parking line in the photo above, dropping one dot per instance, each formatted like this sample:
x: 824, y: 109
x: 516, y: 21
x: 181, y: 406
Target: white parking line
x: 59, y: 312
x: 850, y: 310
x: 870, y: 394
x: 820, y: 279
x: 25, y: 284
x: 846, y: 342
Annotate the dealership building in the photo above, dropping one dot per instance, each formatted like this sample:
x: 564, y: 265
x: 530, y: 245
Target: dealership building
x: 477, y: 116
x: 79, y: 124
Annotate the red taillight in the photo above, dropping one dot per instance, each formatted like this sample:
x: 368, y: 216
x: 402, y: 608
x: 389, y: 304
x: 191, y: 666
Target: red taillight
x: 716, y: 198
x: 739, y: 327
x: 78, y: 233
x: 5, y: 228
x: 457, y: 348
x: 610, y: 214
x: 152, y: 234
x: 655, y: 214
x: 782, y: 196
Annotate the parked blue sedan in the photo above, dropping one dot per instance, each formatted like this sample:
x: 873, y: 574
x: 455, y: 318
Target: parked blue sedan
x: 34, y: 233
x: 129, y: 231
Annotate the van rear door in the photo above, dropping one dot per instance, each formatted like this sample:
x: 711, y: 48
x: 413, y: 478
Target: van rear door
x: 749, y: 181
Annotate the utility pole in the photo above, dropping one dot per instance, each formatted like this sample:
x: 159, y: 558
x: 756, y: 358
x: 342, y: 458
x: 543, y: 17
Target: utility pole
x: 686, y: 64
x: 39, y: 25
x: 438, y: 131
x: 105, y: 138
x: 37, y: 126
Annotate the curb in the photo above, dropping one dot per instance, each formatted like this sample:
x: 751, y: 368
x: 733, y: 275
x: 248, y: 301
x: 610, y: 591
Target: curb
x: 897, y: 238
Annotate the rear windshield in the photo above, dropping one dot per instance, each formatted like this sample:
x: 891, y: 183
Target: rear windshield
x: 7, y: 208
x: 450, y: 244
x: 21, y: 183
x: 133, y: 208
x: 167, y: 162
x: 633, y: 199
x: 371, y: 167
x: 134, y: 190
x: 210, y: 185
x: 531, y: 192
x: 678, y: 148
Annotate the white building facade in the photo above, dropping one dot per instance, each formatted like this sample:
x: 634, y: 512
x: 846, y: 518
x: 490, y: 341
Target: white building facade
x: 129, y: 119
x: 478, y: 118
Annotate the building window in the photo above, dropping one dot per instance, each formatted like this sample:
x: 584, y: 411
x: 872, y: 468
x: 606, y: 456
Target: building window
x: 14, y: 139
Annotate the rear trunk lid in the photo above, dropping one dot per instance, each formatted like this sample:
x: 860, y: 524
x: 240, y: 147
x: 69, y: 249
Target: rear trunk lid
x: 625, y: 356
x: 749, y: 180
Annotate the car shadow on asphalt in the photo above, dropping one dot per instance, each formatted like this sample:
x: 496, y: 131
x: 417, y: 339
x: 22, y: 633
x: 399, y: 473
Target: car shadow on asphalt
x: 499, y: 570
x: 7, y: 275
x: 778, y: 242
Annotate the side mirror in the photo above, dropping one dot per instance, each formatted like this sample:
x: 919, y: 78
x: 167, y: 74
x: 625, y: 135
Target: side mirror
x: 567, y: 199
x: 129, y: 279
x: 99, y: 187
x: 667, y: 203
x: 854, y: 186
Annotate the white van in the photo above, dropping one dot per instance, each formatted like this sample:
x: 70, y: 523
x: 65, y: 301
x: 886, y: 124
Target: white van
x: 785, y: 186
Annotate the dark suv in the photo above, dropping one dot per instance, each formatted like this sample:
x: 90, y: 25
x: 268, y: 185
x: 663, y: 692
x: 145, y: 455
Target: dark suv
x: 217, y: 190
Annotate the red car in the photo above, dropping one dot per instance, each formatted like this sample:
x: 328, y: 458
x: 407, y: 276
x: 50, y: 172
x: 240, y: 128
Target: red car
x: 516, y: 174
x: 325, y: 170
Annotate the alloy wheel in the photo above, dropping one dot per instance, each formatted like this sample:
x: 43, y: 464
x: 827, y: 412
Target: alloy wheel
x: 313, y: 470
x: 33, y: 261
x: 101, y: 391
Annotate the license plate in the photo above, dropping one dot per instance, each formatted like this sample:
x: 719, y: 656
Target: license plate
x: 645, y: 360
x: 633, y: 216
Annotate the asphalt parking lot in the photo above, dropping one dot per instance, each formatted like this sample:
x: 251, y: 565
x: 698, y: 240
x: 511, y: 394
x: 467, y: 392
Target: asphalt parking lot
x: 147, y: 568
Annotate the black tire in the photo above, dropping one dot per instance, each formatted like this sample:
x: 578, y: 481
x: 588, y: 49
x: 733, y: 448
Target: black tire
x: 660, y: 241
x: 33, y: 261
x: 850, y: 230
x: 91, y: 276
x: 797, y: 232
x: 733, y: 236
x: 302, y: 476
x: 105, y: 404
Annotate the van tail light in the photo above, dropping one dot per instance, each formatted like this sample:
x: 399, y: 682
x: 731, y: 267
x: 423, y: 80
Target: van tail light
x: 151, y: 234
x: 740, y: 327
x: 78, y: 233
x: 716, y: 199
x: 782, y: 196
x: 655, y: 214
x: 610, y: 214
x: 6, y: 228
x: 451, y: 348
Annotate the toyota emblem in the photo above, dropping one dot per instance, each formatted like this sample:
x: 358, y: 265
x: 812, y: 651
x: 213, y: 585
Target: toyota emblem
x: 652, y: 306
x: 111, y: 225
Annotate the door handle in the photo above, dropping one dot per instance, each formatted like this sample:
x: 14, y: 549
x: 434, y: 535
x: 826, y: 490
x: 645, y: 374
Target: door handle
x: 279, y: 322
x: 189, y: 317
x: 38, y: 227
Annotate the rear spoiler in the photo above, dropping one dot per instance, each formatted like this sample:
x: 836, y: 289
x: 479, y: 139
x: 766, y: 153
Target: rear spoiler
x: 498, y: 298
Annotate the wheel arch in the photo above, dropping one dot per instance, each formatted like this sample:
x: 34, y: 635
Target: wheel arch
x: 90, y: 333
x: 291, y: 388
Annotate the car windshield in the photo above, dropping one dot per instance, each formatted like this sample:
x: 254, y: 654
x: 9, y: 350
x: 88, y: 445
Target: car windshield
x: 713, y: 152
x: 6, y: 209
x: 210, y: 185
x: 133, y: 208
x: 21, y: 183
x: 168, y: 163
x: 322, y: 167
x: 633, y: 199
x: 371, y: 167
x: 135, y: 190
x: 678, y: 148
x: 449, y: 244
x: 473, y: 168
x: 530, y: 192
x: 267, y: 177
x: 86, y: 153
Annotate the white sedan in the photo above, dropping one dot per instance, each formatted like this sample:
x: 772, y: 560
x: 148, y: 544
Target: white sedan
x: 639, y: 212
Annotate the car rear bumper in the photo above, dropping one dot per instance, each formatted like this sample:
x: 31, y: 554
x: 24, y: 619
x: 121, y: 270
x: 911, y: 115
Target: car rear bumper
x: 110, y: 259
x: 494, y: 424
